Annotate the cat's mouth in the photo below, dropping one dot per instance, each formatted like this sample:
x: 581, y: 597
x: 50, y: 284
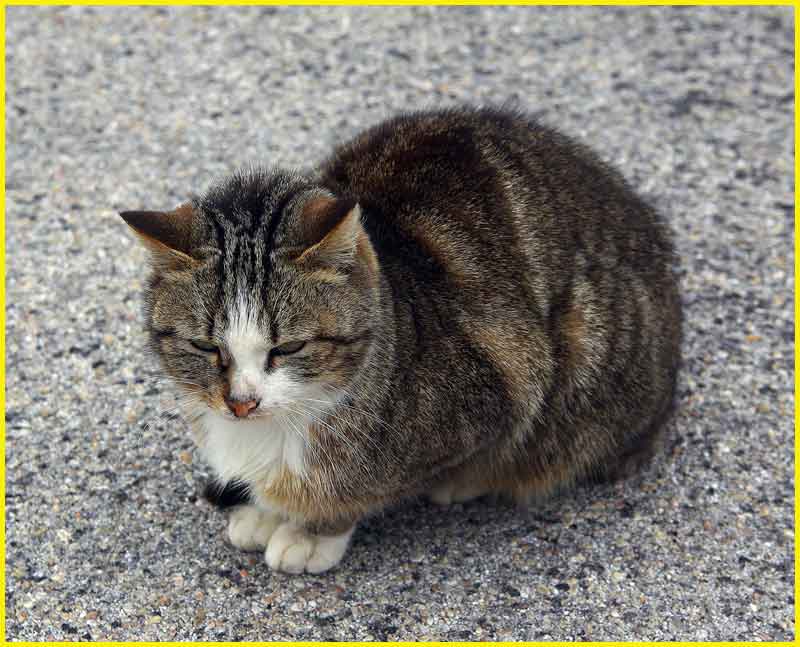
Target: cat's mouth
x: 255, y: 414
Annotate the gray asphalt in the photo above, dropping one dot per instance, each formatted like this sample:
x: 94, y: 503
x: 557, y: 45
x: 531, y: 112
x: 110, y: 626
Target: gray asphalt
x: 124, y: 108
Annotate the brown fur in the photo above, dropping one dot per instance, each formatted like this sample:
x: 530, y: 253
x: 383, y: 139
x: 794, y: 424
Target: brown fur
x: 573, y: 328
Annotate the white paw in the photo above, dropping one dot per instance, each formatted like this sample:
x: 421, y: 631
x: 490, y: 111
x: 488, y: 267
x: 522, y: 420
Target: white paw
x: 250, y: 528
x: 293, y: 550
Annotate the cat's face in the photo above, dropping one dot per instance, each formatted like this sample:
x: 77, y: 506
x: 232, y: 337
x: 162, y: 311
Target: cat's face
x: 261, y: 296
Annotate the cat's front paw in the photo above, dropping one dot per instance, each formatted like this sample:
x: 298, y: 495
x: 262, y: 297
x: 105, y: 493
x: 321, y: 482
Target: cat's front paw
x: 250, y: 527
x: 293, y: 549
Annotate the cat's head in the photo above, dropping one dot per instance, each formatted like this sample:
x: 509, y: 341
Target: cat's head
x: 262, y: 294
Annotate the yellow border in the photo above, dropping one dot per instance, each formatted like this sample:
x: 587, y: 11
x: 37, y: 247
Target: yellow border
x: 3, y: 315
x: 413, y: 644
x: 409, y: 3
x: 796, y: 310
x: 6, y: 3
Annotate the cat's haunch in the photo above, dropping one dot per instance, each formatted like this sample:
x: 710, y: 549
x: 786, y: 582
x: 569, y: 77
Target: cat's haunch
x: 456, y: 303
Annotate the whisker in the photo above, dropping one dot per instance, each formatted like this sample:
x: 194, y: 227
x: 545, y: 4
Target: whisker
x: 352, y: 425
x: 364, y: 464
x: 169, y: 412
x: 320, y: 474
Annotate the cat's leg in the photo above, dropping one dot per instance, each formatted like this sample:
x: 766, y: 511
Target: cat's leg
x: 453, y: 492
x: 295, y: 548
x: 250, y: 527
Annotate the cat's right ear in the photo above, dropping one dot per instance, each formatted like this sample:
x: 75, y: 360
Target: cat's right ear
x: 166, y: 234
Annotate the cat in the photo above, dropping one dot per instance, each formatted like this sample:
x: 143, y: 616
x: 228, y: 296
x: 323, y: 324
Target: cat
x: 456, y: 303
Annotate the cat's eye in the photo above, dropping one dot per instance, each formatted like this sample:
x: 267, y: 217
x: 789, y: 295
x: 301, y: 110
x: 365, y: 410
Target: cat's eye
x: 288, y: 348
x: 204, y: 346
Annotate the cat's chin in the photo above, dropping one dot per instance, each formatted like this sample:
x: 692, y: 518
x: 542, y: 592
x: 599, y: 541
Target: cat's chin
x: 249, y: 449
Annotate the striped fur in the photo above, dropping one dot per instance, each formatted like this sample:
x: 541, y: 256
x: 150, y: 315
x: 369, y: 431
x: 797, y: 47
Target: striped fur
x: 487, y: 307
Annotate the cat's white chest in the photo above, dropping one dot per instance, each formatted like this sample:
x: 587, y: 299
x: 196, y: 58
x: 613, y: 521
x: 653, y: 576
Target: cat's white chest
x: 253, y: 451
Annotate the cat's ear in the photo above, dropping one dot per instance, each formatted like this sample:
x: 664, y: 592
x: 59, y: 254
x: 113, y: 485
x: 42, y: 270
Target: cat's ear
x: 331, y: 229
x: 166, y: 234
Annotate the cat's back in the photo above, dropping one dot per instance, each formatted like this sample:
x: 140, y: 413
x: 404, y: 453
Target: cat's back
x: 489, y: 183
x: 442, y: 187
x: 469, y: 172
x: 436, y: 160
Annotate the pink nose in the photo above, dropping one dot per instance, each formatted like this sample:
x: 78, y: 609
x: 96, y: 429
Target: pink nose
x: 242, y: 409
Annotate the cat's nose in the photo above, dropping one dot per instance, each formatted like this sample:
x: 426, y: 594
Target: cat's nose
x: 242, y: 408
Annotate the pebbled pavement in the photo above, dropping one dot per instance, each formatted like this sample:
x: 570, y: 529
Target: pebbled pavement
x: 121, y: 108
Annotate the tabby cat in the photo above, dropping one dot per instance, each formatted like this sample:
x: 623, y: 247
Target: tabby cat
x: 456, y: 303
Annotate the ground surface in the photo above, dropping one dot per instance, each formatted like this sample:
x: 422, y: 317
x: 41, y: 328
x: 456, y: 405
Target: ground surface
x: 114, y: 108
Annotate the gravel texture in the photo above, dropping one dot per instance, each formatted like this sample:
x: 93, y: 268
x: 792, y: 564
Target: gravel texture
x: 123, y: 108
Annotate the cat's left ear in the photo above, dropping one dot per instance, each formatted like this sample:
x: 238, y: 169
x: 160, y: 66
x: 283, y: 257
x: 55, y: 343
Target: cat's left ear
x: 167, y: 235
x: 331, y: 229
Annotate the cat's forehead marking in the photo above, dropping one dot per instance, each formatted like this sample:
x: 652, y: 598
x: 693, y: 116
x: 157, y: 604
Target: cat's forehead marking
x: 244, y: 337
